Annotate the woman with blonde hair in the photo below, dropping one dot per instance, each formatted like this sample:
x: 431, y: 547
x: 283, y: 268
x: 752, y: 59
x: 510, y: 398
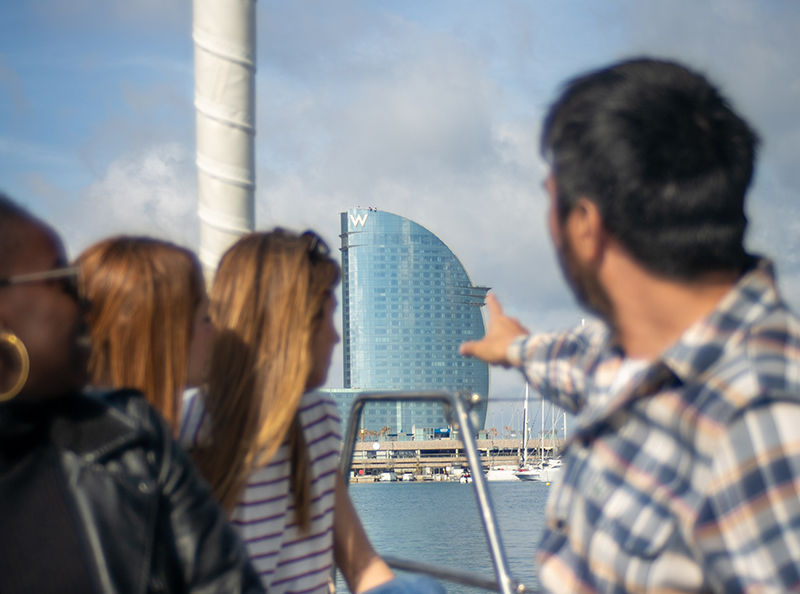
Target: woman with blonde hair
x: 264, y: 439
x: 149, y: 319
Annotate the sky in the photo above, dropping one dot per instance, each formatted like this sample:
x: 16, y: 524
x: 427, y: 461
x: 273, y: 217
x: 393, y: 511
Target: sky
x: 427, y: 109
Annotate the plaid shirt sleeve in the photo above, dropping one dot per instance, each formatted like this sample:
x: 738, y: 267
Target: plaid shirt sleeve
x: 748, y: 531
x: 557, y: 365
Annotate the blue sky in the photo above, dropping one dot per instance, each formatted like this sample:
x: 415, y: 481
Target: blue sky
x: 427, y: 109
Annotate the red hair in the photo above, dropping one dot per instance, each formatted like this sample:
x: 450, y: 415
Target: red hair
x: 143, y: 294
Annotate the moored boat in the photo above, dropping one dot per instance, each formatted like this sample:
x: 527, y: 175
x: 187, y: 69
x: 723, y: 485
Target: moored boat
x: 551, y: 470
x: 528, y: 474
x: 501, y: 473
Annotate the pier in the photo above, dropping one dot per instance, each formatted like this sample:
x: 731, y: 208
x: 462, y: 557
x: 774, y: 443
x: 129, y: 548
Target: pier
x: 429, y: 459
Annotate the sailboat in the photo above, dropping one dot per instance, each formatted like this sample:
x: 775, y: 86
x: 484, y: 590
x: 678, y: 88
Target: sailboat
x: 509, y: 473
x: 526, y: 472
x: 548, y: 469
x: 551, y: 470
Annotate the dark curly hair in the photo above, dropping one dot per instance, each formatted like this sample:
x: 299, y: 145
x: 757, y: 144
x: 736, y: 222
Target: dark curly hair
x: 665, y: 159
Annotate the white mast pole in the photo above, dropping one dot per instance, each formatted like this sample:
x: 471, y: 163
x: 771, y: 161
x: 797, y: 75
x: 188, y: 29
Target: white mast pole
x: 525, y: 427
x: 541, y: 439
x: 225, y: 57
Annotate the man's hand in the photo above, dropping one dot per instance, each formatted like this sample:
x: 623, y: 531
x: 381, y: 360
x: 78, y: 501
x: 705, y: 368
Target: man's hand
x: 502, y: 331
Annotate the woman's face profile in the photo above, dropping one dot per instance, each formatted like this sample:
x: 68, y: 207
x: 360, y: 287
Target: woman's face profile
x: 46, y: 317
x: 200, y: 343
x: 322, y: 344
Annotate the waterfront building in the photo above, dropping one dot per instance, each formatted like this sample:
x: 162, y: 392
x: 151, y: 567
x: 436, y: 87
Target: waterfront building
x: 407, y: 304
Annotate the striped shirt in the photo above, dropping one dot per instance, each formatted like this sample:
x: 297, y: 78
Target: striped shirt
x: 688, y: 478
x: 288, y: 561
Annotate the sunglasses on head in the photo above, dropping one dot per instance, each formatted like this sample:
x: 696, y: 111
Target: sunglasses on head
x: 69, y: 278
x: 317, y: 246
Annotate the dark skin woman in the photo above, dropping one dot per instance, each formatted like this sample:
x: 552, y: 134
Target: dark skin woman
x: 94, y: 494
x: 45, y: 315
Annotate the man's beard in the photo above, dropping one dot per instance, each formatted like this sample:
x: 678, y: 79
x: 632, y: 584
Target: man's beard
x: 584, y: 283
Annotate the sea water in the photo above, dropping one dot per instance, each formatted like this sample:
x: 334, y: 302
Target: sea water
x: 439, y: 523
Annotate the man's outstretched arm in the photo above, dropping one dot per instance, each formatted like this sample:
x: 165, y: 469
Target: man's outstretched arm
x: 555, y: 364
x: 493, y: 347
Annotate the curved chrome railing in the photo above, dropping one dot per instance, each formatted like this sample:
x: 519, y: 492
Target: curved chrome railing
x: 457, y: 409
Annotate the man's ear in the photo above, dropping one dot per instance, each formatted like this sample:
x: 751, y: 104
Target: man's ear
x: 585, y: 231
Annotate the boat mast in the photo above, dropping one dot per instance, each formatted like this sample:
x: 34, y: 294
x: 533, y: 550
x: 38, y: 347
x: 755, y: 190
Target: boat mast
x: 525, y: 427
x: 541, y: 437
x: 224, y: 33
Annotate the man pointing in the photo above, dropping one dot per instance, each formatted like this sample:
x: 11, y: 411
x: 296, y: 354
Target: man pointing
x: 683, y: 471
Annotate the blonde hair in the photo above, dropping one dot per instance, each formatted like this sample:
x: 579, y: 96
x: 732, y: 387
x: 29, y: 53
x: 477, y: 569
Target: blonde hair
x: 267, y: 304
x: 143, y: 294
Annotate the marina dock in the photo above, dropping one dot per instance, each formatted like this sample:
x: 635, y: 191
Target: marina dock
x: 431, y: 459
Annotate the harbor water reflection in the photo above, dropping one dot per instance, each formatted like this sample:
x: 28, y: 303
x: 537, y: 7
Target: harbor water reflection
x: 439, y: 523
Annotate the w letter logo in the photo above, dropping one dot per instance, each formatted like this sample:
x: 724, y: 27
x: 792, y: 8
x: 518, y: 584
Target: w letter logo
x: 359, y: 219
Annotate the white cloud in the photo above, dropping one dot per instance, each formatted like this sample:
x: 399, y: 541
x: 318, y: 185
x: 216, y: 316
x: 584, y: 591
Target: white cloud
x: 146, y: 192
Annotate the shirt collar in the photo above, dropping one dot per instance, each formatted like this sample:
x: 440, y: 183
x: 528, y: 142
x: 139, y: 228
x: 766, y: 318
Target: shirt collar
x: 704, y: 342
x: 698, y: 348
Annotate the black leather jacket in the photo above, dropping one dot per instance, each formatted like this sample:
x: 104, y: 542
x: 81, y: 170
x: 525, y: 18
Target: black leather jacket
x: 150, y: 524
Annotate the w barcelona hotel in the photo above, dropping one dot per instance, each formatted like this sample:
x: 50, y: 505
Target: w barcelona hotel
x: 407, y: 305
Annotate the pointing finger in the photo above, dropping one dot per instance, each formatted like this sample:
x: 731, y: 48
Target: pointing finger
x: 493, y: 305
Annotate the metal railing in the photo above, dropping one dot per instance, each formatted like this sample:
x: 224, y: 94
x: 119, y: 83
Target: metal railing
x: 457, y: 410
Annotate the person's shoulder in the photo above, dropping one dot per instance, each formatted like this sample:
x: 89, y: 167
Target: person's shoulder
x: 317, y: 398
x: 772, y: 349
x: 759, y: 363
x: 766, y: 336
x: 777, y: 326
x: 318, y: 406
x: 98, y: 423
x: 129, y: 406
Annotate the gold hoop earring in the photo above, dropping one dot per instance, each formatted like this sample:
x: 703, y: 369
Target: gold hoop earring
x: 12, y: 339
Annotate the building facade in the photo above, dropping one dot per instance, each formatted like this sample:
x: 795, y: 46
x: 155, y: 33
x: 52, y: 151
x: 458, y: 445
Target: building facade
x: 407, y: 305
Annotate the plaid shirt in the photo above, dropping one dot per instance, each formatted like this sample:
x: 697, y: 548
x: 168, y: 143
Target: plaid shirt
x: 686, y: 479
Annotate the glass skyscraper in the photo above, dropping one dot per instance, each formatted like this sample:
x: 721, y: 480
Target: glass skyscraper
x: 407, y: 305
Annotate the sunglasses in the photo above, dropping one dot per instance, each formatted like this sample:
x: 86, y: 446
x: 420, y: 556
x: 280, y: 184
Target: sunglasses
x: 317, y: 246
x: 69, y: 277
